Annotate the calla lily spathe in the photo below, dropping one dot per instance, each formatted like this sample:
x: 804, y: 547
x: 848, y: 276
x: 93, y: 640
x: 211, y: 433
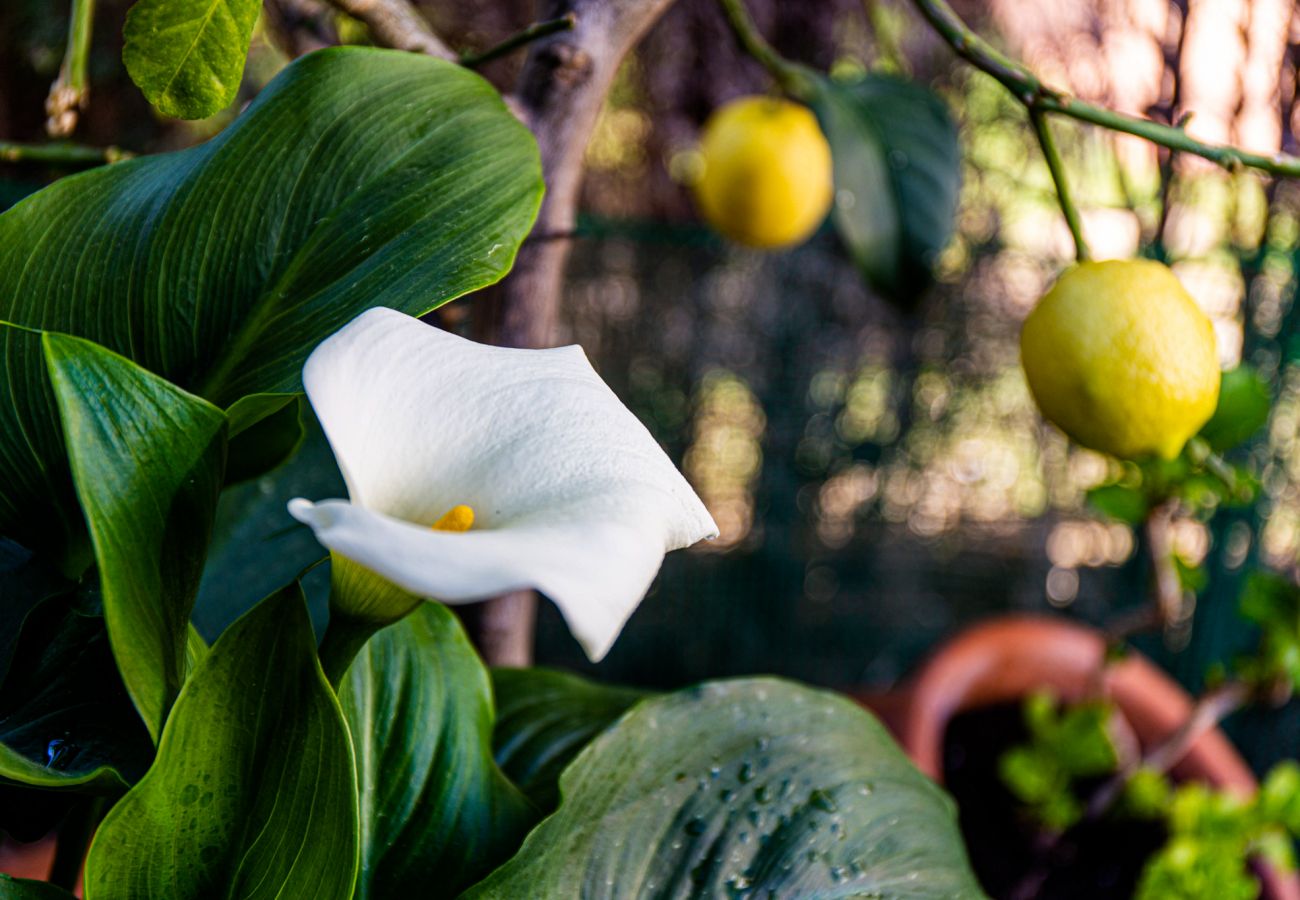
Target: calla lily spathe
x: 569, y: 493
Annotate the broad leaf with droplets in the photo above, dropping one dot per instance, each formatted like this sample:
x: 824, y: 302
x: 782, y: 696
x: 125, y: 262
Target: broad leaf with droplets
x: 253, y: 792
x: 753, y: 788
x: 544, y: 719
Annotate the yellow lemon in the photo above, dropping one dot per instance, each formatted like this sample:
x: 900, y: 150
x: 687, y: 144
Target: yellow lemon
x: 766, y: 177
x: 1120, y: 358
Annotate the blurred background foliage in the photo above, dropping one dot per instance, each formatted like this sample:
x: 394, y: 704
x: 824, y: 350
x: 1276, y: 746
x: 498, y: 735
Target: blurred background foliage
x: 879, y: 474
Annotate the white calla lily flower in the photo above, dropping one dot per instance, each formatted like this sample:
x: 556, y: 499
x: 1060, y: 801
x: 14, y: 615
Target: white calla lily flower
x: 473, y: 471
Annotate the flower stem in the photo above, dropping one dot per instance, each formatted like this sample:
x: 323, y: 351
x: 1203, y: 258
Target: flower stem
x: 1057, y: 168
x: 344, y: 637
x: 71, y: 89
x: 1030, y: 90
x: 786, y: 74
x: 532, y: 33
x: 61, y: 154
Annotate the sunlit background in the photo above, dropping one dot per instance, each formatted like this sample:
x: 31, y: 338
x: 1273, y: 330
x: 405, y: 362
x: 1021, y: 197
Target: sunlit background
x: 879, y: 475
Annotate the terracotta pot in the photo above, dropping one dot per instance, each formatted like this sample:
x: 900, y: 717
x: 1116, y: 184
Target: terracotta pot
x: 1004, y: 659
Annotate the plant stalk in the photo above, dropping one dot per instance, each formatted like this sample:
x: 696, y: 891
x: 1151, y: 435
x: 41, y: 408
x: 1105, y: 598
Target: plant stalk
x: 519, y: 39
x: 1210, y: 709
x: 61, y: 154
x: 71, y: 90
x: 787, y: 75
x: 1168, y: 586
x: 1063, y: 196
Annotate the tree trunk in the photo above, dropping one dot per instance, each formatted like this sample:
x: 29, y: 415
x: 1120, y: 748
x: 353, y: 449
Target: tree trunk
x: 560, y: 93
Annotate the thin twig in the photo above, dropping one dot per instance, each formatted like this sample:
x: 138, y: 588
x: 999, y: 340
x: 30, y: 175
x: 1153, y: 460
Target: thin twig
x: 886, y: 40
x: 61, y: 154
x: 789, y: 76
x: 396, y: 24
x: 71, y: 90
x: 519, y: 39
x: 1063, y: 196
x: 1168, y: 586
x: 1210, y: 709
x: 1031, y: 91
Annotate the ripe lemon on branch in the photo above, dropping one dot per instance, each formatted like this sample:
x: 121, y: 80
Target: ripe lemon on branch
x: 766, y: 177
x: 1120, y: 358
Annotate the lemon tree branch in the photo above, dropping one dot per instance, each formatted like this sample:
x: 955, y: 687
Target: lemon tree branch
x: 1057, y: 168
x: 1031, y: 91
x: 787, y: 75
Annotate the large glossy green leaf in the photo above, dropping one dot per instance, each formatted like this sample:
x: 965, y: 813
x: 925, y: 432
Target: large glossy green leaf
x: 753, y: 787
x: 436, y: 812
x: 66, y: 720
x: 359, y: 177
x: 187, y: 56
x: 257, y: 546
x: 897, y: 175
x: 544, y: 719
x: 26, y: 889
x: 271, y: 438
x: 147, y: 461
x: 253, y: 794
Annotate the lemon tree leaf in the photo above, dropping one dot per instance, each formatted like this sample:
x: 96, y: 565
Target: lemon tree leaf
x: 147, y: 460
x: 1243, y: 409
x: 187, y: 56
x: 897, y: 175
x: 66, y: 720
x: 253, y: 793
x: 359, y: 177
x: 436, y: 812
x: 544, y: 719
x: 752, y: 787
x: 865, y: 211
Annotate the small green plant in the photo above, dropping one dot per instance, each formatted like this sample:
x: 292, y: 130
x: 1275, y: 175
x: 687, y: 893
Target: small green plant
x: 1066, y: 744
x: 1074, y: 769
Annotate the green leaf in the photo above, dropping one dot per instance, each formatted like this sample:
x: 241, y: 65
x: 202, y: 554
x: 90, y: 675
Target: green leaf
x: 865, y: 212
x: 753, y: 787
x: 256, y: 545
x: 1119, y: 502
x: 544, y: 719
x: 436, y: 812
x: 253, y: 794
x: 66, y: 720
x: 897, y: 164
x: 187, y: 56
x: 358, y: 178
x: 1243, y: 409
x: 273, y: 436
x: 146, y: 460
x: 25, y: 889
